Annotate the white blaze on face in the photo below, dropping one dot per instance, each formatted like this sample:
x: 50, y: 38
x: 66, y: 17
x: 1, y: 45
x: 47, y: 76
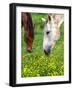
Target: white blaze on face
x: 47, y: 35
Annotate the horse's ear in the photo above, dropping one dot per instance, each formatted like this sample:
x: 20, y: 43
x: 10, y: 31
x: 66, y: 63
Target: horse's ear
x: 59, y: 19
x: 49, y: 17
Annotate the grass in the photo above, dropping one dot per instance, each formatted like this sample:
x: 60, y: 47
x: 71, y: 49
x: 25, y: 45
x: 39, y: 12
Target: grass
x: 36, y: 63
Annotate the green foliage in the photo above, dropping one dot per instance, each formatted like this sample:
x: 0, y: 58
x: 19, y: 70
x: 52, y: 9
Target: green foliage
x: 37, y: 63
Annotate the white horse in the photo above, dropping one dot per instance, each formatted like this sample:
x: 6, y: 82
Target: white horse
x: 51, y: 31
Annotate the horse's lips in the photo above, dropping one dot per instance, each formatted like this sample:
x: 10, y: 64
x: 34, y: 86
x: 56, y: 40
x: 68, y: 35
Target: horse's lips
x: 47, y: 52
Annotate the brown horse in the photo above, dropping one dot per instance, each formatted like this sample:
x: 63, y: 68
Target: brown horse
x: 27, y: 24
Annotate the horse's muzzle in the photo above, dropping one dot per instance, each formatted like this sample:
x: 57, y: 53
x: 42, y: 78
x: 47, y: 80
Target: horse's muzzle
x: 47, y: 50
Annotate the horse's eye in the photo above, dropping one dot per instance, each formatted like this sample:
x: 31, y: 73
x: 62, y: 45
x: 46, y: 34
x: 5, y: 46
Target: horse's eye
x: 47, y: 32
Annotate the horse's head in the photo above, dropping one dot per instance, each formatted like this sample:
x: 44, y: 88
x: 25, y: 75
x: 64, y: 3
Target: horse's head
x: 28, y: 30
x: 51, y: 31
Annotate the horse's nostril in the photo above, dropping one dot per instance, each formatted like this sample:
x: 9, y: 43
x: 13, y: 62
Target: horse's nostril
x: 47, y: 51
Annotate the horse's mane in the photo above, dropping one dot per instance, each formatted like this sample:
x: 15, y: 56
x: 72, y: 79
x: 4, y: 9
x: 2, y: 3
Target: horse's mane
x: 30, y: 25
x: 27, y: 23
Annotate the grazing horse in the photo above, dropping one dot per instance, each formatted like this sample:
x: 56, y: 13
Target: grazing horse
x: 27, y: 24
x: 51, y: 31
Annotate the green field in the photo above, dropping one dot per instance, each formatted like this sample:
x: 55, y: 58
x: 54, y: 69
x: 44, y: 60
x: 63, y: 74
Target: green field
x: 36, y: 63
